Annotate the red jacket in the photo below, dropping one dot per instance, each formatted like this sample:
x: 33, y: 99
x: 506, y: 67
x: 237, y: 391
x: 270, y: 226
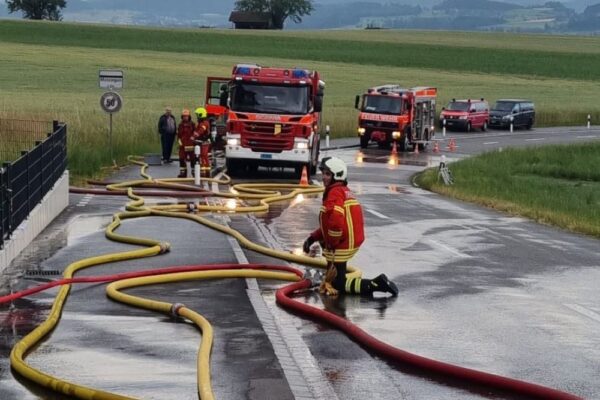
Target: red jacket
x: 341, y: 229
x: 185, y: 134
x: 202, y: 131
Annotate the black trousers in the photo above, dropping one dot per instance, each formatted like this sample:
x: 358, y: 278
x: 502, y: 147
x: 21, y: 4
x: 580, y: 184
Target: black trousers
x: 166, y: 141
x: 352, y: 285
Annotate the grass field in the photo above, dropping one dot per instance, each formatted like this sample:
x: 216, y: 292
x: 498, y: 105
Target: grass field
x: 50, y: 71
x: 557, y: 185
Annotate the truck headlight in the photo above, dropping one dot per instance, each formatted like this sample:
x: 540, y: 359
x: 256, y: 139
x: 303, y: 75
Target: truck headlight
x: 463, y: 117
x: 233, y: 140
x: 396, y: 135
x: 301, y: 144
x: 361, y: 131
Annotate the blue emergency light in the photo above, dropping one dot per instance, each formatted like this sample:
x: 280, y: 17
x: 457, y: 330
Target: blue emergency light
x: 243, y: 70
x: 299, y: 73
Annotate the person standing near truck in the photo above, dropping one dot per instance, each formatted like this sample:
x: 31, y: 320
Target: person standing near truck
x: 167, y: 128
x: 185, y: 139
x: 341, y: 232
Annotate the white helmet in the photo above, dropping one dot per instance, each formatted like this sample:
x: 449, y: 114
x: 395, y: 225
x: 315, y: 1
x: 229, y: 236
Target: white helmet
x: 336, y: 166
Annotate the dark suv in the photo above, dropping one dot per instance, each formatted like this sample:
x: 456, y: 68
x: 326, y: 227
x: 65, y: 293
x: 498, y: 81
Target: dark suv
x: 521, y: 112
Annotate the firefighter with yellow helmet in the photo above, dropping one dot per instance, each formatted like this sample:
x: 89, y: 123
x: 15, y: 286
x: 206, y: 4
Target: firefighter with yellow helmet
x: 202, y: 134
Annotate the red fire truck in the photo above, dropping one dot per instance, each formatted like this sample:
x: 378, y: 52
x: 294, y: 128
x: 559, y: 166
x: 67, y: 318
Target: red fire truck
x: 391, y: 113
x: 272, y: 116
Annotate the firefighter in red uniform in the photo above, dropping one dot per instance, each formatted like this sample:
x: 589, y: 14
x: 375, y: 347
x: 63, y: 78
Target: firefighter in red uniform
x: 202, y: 133
x: 341, y: 232
x: 185, y: 139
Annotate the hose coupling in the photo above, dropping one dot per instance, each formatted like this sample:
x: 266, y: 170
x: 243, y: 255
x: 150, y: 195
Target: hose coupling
x: 164, y: 247
x: 191, y: 207
x: 175, y: 309
x: 315, y: 277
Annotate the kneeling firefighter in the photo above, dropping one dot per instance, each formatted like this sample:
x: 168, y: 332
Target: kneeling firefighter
x: 341, y: 232
x: 202, y: 134
x: 185, y: 139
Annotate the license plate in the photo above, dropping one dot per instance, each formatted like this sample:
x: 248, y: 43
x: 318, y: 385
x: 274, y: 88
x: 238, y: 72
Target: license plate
x: 266, y: 156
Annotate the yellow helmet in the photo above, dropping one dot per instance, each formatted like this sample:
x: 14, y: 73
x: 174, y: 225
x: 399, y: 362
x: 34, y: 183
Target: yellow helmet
x: 200, y: 112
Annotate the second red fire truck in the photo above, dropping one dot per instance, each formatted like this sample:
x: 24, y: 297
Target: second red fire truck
x: 391, y: 113
x: 272, y: 116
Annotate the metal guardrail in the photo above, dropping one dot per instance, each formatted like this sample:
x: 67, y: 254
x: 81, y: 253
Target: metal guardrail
x: 29, y: 177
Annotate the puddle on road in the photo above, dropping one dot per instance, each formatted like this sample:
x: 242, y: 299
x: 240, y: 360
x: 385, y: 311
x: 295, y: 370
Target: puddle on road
x: 385, y: 157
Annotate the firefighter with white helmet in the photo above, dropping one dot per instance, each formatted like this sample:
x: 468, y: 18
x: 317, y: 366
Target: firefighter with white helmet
x: 340, y: 233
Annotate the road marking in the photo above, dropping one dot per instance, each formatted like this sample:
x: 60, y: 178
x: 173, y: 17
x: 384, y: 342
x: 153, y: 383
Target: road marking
x: 86, y: 199
x: 377, y: 214
x: 587, y: 137
x: 583, y: 311
x: 491, y: 142
x: 449, y: 249
x: 534, y: 140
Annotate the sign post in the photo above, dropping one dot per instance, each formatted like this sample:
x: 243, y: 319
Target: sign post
x: 111, y: 102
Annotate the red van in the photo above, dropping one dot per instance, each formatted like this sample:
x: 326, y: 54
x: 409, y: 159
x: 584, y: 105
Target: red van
x: 466, y: 115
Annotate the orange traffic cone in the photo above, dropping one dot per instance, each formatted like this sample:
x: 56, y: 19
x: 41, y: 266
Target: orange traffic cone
x: 394, y: 149
x: 416, y: 150
x: 452, y: 144
x: 436, y: 147
x: 304, y: 177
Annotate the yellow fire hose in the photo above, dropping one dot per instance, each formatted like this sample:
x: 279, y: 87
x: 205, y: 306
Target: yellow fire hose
x: 263, y: 193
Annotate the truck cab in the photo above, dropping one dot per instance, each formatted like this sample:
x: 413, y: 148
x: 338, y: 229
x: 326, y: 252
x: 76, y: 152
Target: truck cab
x: 273, y: 118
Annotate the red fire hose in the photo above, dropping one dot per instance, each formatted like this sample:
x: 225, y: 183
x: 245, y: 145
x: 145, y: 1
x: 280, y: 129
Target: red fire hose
x: 384, y: 350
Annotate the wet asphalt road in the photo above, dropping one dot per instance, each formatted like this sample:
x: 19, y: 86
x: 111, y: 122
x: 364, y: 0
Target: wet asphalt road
x: 477, y: 288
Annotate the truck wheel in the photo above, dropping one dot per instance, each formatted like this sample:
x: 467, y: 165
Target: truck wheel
x: 364, y: 141
x: 232, y: 167
x: 403, y: 142
x: 312, y: 169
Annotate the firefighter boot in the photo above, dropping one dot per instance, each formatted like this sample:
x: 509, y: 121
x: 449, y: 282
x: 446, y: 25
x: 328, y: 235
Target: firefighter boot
x: 381, y: 283
x: 182, y: 173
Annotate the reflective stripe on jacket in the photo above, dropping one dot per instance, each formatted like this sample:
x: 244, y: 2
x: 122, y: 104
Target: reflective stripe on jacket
x: 341, y: 224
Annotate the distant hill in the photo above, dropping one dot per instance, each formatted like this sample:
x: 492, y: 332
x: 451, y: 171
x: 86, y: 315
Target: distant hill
x: 480, y: 5
x: 494, y: 15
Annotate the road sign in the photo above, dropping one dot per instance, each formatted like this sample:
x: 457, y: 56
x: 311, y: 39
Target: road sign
x: 110, y: 79
x: 111, y: 102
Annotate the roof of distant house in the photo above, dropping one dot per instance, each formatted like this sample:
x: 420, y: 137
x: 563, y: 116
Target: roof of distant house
x: 244, y: 16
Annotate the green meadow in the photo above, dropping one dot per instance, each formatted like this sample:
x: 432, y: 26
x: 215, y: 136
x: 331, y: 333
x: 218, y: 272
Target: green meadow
x: 557, y: 185
x: 50, y: 71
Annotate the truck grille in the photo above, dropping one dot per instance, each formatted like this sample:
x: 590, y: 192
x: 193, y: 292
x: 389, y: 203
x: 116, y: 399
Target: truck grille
x: 268, y: 143
x: 267, y: 128
x: 380, y: 125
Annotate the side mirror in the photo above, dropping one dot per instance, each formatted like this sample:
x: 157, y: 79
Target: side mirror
x: 443, y: 108
x: 514, y: 111
x: 318, y: 103
x: 472, y: 111
x: 356, y: 101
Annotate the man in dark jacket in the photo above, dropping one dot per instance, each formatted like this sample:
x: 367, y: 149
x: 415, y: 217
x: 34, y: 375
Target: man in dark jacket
x: 167, y: 128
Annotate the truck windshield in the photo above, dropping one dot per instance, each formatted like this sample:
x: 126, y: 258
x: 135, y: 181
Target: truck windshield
x: 458, y: 106
x: 504, y: 106
x: 270, y: 99
x: 383, y: 105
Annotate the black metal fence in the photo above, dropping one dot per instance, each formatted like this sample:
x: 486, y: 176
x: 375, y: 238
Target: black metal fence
x: 25, y: 181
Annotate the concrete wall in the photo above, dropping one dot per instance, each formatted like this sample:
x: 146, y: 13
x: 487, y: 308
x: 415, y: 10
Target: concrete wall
x: 51, y: 205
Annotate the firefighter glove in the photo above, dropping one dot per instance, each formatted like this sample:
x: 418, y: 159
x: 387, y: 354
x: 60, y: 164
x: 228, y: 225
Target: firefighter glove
x: 307, y: 243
